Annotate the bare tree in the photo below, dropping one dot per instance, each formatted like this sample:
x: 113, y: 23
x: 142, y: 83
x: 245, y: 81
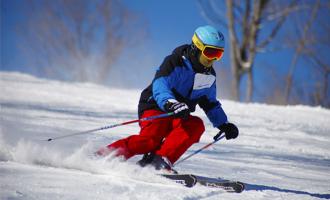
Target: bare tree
x: 299, y: 48
x: 245, y: 22
x: 320, y: 95
x: 78, y: 39
x: 316, y: 53
x: 312, y: 45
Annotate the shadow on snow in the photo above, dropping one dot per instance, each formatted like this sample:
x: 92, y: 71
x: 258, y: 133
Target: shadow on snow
x: 249, y: 187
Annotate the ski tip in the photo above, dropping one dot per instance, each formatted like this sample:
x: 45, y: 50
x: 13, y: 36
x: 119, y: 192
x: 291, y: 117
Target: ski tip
x: 236, y: 187
x: 241, y: 189
x: 187, y: 180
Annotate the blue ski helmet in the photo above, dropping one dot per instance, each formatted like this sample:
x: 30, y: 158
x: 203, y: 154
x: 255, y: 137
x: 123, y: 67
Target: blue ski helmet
x: 208, y: 36
x: 210, y: 42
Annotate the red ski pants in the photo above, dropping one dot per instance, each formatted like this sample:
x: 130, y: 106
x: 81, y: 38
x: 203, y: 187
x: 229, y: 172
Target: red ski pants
x: 169, y: 137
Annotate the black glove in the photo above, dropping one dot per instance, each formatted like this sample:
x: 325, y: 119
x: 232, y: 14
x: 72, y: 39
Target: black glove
x: 178, y: 108
x: 230, y: 130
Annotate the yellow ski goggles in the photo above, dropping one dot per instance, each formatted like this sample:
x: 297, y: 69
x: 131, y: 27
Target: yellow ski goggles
x: 210, y: 52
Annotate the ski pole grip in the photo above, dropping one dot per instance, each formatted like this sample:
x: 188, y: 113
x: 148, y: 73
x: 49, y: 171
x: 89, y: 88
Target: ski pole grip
x: 217, y: 136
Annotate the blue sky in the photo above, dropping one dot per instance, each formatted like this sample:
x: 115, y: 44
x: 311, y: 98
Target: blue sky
x: 170, y: 23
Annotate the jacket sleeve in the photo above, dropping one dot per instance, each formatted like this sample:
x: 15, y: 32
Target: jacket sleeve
x: 212, y: 108
x: 163, y: 83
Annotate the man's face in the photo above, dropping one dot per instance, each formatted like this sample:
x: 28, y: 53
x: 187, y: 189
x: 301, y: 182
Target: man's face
x: 205, y: 61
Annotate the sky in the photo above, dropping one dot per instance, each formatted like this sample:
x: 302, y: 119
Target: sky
x: 169, y: 24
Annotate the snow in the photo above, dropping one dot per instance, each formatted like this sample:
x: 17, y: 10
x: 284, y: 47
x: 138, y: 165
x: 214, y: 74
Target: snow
x: 283, y: 152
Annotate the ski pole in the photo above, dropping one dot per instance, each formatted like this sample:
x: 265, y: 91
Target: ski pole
x: 112, y: 126
x: 199, y: 150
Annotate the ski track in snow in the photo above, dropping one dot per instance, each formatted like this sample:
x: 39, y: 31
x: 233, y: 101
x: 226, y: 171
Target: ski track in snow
x: 283, y: 152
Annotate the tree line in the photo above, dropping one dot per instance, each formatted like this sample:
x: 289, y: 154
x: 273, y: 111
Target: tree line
x: 259, y: 26
x: 81, y: 40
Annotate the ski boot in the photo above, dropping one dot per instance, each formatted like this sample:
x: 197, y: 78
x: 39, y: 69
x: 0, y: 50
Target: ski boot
x: 146, y: 159
x: 162, y: 163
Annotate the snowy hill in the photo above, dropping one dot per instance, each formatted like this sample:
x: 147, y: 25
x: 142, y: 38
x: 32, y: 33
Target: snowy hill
x: 283, y: 152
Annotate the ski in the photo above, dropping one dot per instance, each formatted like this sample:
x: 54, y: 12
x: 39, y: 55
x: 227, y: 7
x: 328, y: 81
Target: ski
x: 187, y: 180
x: 227, y: 185
x: 190, y: 180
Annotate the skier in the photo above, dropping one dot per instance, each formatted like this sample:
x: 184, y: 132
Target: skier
x: 184, y: 79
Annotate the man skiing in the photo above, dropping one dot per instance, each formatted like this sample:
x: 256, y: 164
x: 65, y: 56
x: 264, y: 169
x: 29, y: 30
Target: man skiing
x: 184, y: 79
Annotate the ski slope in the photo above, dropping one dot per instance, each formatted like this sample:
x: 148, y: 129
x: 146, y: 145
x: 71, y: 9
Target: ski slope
x: 283, y: 152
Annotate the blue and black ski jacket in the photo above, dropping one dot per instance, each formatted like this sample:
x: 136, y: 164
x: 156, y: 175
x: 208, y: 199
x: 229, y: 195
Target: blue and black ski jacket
x: 177, y: 79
